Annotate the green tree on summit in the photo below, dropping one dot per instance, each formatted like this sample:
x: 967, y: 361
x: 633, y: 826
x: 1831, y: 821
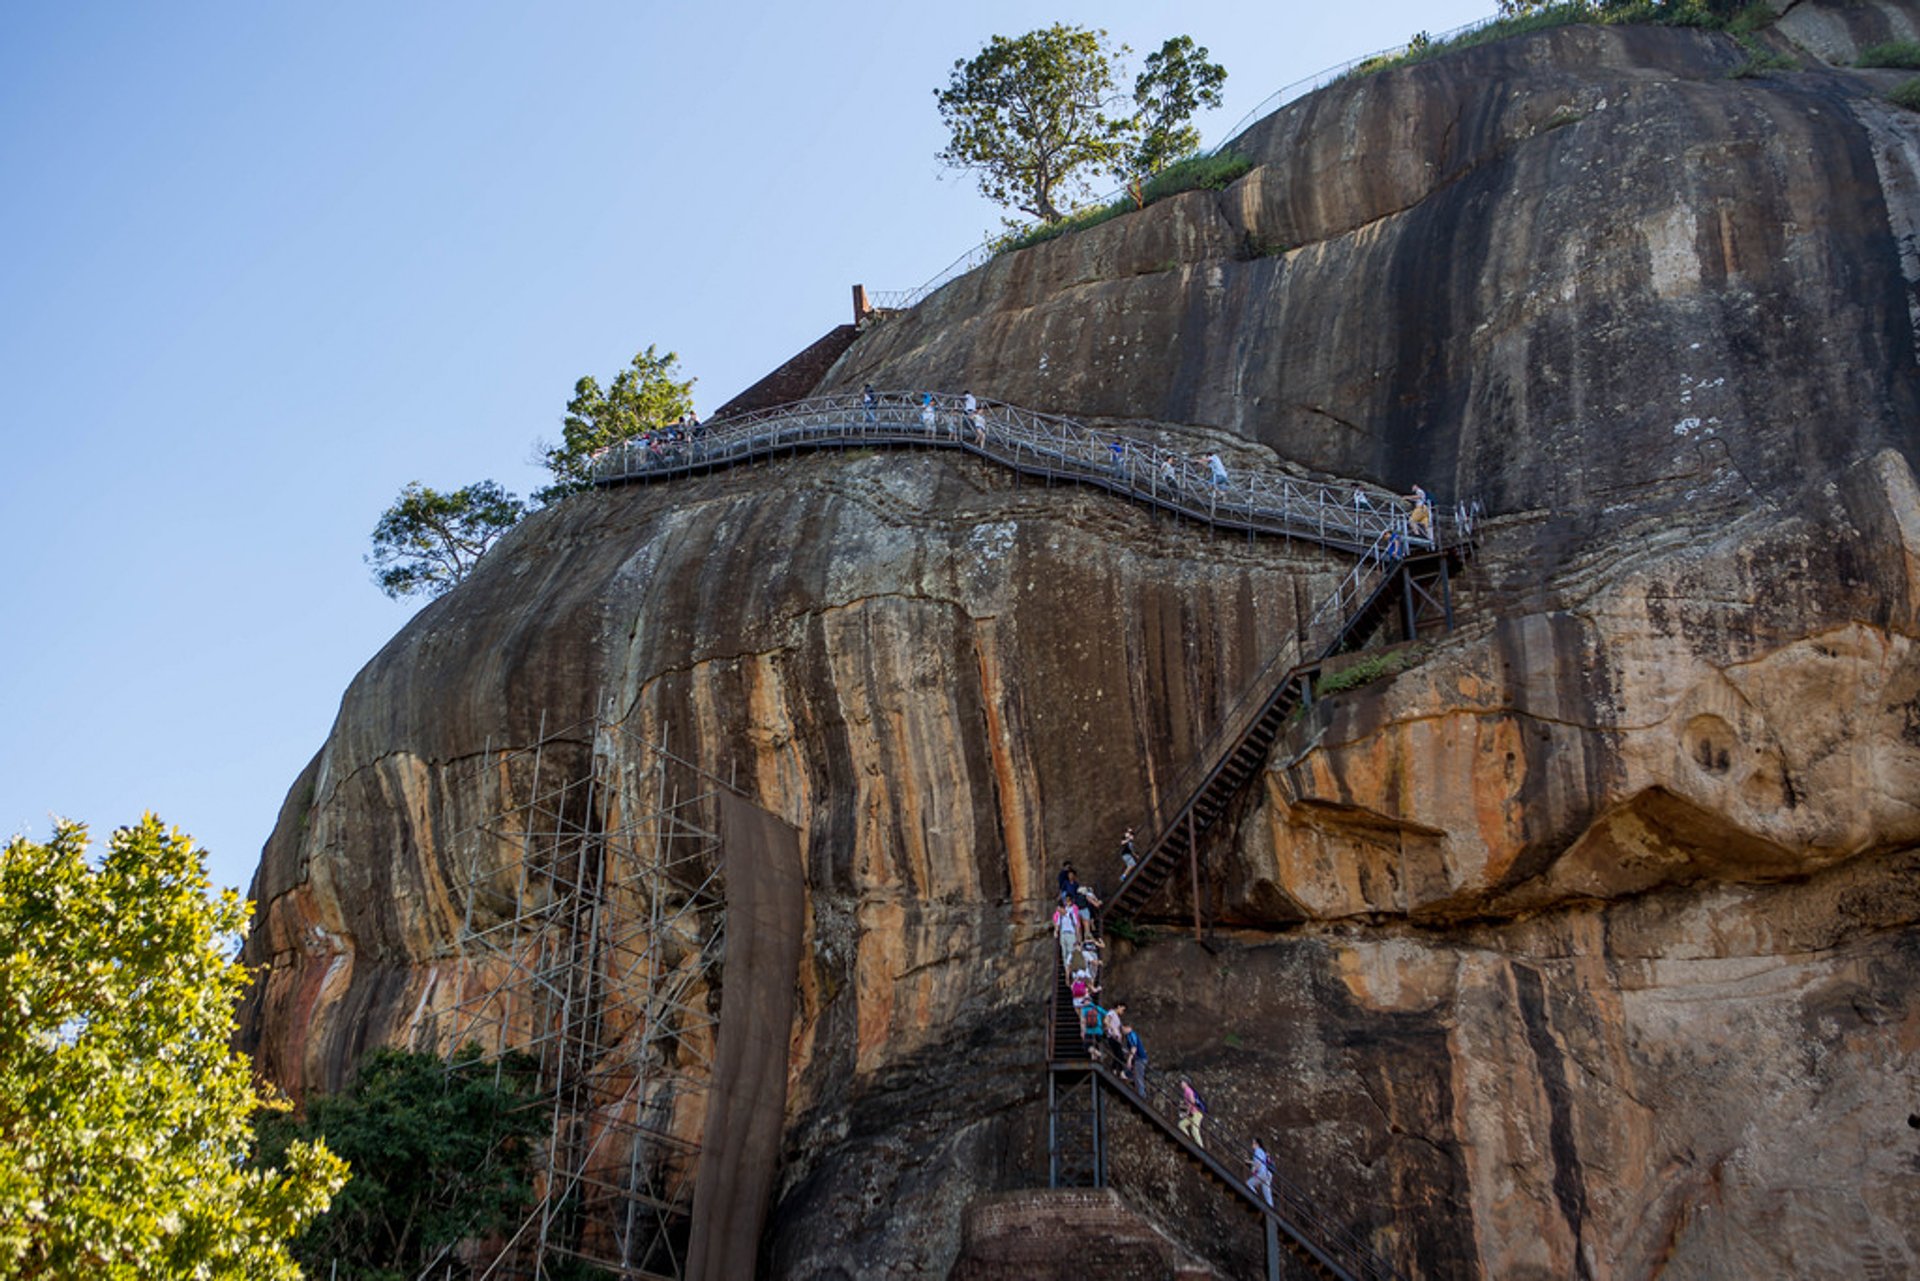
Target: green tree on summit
x: 1034, y: 116
x: 644, y: 396
x: 429, y: 541
x: 1176, y: 82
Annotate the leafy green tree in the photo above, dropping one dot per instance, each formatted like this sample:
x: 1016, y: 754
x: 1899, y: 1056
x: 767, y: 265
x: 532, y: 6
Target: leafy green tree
x: 644, y: 396
x: 125, y: 1115
x: 441, y: 1153
x: 429, y: 541
x: 1032, y: 115
x: 1176, y: 82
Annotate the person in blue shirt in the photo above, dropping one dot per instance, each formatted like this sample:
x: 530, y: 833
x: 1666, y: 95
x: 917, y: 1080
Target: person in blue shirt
x: 1261, y: 1179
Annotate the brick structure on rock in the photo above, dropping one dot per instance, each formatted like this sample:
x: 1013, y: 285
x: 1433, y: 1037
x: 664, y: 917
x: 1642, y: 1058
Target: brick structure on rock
x: 1067, y: 1233
x: 796, y: 379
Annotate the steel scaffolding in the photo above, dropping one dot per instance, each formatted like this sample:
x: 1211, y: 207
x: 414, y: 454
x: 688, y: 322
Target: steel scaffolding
x: 591, y: 935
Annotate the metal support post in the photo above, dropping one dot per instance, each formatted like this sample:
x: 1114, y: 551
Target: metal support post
x: 1193, y: 873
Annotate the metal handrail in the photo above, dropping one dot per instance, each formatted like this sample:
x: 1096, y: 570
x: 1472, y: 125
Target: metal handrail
x: 902, y: 299
x: 1322, y: 626
x: 1292, y: 1206
x: 1350, y: 517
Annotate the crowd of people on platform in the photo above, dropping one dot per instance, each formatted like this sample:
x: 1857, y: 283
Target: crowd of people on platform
x: 1108, y: 1036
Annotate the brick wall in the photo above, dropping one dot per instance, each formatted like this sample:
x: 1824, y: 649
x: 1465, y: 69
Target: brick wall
x: 1068, y: 1235
x: 796, y: 378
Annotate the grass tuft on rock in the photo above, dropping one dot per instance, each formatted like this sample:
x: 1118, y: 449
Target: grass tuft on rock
x: 1906, y: 95
x: 1667, y: 13
x: 1904, y: 54
x: 1195, y: 173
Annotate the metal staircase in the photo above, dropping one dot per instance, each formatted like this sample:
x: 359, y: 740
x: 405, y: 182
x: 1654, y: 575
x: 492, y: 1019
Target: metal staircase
x: 1414, y: 591
x: 1080, y: 1092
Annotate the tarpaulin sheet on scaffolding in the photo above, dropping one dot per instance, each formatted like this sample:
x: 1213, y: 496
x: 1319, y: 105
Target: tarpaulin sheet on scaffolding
x: 747, y: 1103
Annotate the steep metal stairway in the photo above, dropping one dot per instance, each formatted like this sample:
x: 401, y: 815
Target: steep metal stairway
x: 1415, y: 590
x: 1076, y: 1154
x: 1079, y: 1093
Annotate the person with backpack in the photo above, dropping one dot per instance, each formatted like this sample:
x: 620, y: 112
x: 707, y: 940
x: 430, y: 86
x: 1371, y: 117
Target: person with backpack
x: 1093, y: 1020
x: 1260, y: 1179
x: 1193, y: 1109
x: 1127, y: 856
x: 1135, y: 1063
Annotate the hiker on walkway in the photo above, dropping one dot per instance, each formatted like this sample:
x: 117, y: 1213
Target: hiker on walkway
x: 1117, y: 450
x: 1135, y: 1062
x: 1260, y: 1180
x: 1192, y: 1110
x: 1127, y: 857
x: 1090, y: 958
x: 1218, y: 471
x: 1115, y: 1026
x: 1082, y: 989
x: 1169, y: 478
x: 1420, y: 518
x: 926, y: 410
x: 1093, y: 1022
x: 870, y: 404
x: 1082, y: 895
x: 1066, y: 922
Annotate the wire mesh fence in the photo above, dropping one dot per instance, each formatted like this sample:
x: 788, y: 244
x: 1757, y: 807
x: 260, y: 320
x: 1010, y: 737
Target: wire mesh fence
x: 1347, y: 516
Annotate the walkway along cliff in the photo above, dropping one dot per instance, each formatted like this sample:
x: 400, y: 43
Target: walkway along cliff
x: 1575, y: 941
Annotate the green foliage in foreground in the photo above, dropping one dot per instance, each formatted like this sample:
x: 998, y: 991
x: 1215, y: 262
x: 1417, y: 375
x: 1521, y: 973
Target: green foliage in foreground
x: 1891, y: 53
x: 429, y: 541
x: 441, y: 1153
x: 1196, y: 173
x: 126, y: 1119
x: 1906, y: 95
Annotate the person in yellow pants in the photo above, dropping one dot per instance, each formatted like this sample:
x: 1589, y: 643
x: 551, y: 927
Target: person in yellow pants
x: 1192, y: 1111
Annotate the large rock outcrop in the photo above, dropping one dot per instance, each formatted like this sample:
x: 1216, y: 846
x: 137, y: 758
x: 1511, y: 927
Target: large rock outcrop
x: 1584, y: 946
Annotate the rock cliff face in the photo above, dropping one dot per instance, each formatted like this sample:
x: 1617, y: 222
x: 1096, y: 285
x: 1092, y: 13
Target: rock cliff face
x: 1585, y: 946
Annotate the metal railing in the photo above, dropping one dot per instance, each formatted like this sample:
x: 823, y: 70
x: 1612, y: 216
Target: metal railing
x: 1350, y: 517
x: 1321, y: 629
x: 1230, y: 1149
x: 990, y: 247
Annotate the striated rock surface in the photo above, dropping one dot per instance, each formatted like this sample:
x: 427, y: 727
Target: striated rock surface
x: 1585, y: 946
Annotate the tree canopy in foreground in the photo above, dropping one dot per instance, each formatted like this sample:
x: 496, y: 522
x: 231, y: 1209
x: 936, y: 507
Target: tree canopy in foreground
x: 441, y: 1153
x: 126, y: 1118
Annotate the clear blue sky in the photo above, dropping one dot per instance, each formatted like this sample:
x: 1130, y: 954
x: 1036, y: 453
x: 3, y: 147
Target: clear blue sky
x: 263, y: 264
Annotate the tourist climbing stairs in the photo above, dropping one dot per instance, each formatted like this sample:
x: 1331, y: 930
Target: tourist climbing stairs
x: 1293, y: 1222
x: 1076, y: 1152
x: 1081, y: 1087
